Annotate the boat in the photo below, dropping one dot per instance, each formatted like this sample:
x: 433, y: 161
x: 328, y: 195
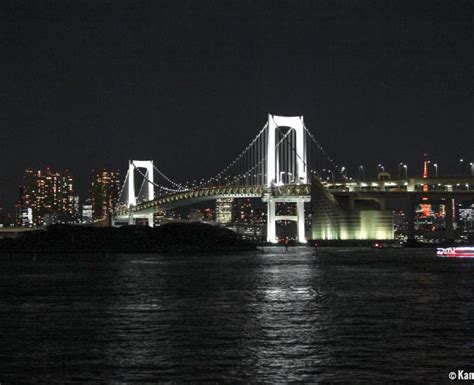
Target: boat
x: 456, y: 252
x: 386, y: 245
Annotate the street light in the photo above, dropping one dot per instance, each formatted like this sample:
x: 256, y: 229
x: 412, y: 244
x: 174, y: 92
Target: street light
x: 331, y: 172
x: 379, y: 166
x: 361, y: 172
x: 435, y: 165
x: 461, y: 162
x: 406, y: 171
x: 400, y: 165
x: 344, y: 172
x: 472, y: 168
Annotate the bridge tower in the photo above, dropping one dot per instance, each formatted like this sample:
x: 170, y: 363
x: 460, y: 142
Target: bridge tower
x: 132, y: 198
x: 281, y: 154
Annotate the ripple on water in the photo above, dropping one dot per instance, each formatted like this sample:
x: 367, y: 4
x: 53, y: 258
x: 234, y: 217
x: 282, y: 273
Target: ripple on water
x: 343, y: 315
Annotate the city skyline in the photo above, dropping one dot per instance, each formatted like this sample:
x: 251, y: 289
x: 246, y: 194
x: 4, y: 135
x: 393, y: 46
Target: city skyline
x: 103, y: 84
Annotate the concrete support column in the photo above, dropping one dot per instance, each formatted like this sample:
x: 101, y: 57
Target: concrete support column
x: 351, y: 202
x: 270, y: 163
x: 300, y: 223
x: 131, y: 219
x: 410, y: 219
x: 151, y: 220
x: 382, y: 203
x: 271, y: 223
x: 449, y: 223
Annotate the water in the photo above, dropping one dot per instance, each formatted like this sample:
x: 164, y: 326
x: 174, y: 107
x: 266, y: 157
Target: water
x: 345, y: 315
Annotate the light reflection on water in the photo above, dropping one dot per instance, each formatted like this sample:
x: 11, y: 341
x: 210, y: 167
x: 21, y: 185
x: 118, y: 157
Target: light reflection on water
x: 343, y: 315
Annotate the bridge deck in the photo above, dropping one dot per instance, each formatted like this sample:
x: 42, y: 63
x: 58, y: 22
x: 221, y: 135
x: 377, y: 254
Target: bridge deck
x: 369, y: 189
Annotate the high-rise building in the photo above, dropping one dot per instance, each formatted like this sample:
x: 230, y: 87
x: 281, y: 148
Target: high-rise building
x: 466, y: 217
x: 224, y: 210
x: 47, y: 193
x: 105, y: 192
x: 242, y: 210
x: 86, y: 212
x: 26, y: 217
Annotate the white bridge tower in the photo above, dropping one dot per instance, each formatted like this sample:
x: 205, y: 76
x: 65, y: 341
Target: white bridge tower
x: 286, y: 147
x: 132, y: 198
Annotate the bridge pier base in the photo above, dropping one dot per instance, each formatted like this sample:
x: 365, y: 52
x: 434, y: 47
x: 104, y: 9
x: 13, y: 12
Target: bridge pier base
x: 300, y: 221
x: 151, y: 220
x: 271, y: 222
x: 272, y: 219
x: 149, y: 217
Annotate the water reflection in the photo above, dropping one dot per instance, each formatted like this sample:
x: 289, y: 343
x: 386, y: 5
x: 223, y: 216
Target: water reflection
x: 341, y: 315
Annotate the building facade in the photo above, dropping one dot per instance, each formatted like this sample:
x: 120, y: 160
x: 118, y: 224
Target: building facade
x: 86, y: 212
x: 105, y: 192
x: 224, y: 210
x: 48, y: 194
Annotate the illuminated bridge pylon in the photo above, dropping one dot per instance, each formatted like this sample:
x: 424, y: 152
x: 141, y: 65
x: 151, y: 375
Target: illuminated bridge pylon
x: 285, y: 164
x: 147, y: 189
x: 148, y: 184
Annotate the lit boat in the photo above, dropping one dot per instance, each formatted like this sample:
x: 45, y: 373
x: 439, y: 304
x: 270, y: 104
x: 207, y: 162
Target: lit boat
x: 466, y: 252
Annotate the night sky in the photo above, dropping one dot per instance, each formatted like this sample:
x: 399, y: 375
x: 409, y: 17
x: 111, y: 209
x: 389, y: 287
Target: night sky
x: 92, y: 84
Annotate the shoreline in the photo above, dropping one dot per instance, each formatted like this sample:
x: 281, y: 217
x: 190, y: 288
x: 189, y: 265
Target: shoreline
x: 168, y: 239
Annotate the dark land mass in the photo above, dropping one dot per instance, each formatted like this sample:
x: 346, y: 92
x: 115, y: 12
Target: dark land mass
x: 169, y: 238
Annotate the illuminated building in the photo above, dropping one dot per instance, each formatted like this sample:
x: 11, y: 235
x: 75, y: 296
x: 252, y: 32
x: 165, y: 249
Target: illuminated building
x: 86, y: 212
x: 224, y: 210
x: 26, y: 217
x: 105, y: 191
x: 242, y: 210
x: 466, y: 218
x: 46, y: 192
x: 248, y: 210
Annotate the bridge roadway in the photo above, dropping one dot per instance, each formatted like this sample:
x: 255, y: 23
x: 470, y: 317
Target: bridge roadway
x: 210, y: 193
x: 408, y: 183
x: 441, y: 188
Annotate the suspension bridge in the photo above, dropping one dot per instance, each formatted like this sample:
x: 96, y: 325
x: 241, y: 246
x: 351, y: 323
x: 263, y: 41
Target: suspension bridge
x: 276, y: 166
x: 280, y: 165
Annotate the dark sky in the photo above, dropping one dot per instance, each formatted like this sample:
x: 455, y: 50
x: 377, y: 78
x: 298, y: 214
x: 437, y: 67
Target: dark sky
x: 91, y: 84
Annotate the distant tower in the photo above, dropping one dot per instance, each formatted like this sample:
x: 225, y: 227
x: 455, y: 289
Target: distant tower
x: 425, y: 208
x: 425, y: 168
